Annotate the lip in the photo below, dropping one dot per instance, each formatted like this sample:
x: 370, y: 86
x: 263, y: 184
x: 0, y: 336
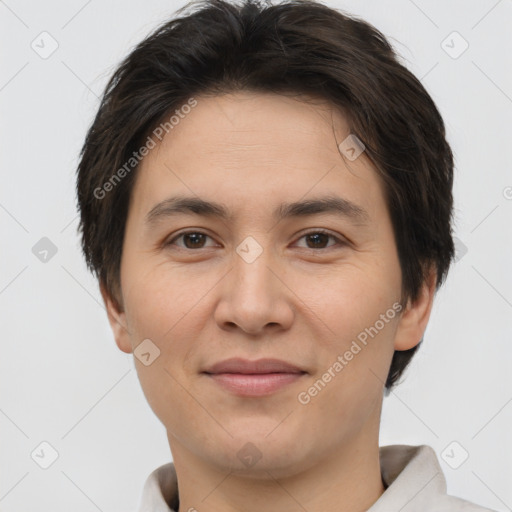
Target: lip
x: 253, y: 378
x: 259, y: 366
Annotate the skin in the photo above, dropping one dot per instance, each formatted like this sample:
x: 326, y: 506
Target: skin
x: 299, y: 302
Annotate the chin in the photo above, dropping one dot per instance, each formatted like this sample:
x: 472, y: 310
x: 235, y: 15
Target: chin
x: 260, y: 455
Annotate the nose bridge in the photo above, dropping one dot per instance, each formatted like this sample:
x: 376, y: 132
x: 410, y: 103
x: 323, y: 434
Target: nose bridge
x: 251, y: 273
x: 253, y: 296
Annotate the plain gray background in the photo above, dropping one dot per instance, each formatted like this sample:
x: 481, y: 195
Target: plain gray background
x: 63, y: 380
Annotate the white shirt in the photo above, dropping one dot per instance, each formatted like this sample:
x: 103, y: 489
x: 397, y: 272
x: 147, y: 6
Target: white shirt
x: 412, y: 476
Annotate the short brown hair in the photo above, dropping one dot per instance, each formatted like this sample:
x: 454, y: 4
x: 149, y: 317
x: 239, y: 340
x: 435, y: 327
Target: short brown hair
x: 298, y: 47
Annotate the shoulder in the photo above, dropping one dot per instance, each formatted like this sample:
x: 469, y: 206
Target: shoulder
x: 453, y: 504
x: 415, y: 482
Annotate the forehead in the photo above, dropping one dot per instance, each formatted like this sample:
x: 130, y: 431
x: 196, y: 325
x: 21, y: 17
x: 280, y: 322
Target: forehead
x: 255, y: 149
x: 260, y: 122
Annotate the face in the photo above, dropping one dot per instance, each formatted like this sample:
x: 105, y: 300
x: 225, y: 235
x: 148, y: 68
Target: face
x: 317, y: 288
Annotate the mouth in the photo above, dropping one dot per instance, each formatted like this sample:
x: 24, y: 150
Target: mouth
x: 254, y: 378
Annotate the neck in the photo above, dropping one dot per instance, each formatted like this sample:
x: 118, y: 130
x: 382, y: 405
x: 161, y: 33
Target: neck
x: 348, y: 480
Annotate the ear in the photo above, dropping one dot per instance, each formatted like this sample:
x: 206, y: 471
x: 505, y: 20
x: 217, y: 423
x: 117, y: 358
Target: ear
x: 414, y: 318
x: 117, y: 320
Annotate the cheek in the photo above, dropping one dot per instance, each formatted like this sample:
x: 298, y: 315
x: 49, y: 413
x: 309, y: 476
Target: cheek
x: 158, y: 299
x: 356, y: 310
x: 170, y: 307
x: 349, y: 299
x: 160, y: 308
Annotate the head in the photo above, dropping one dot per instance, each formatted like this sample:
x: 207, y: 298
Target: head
x: 254, y: 107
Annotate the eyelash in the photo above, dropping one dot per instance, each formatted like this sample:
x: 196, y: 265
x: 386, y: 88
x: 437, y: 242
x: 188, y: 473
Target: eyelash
x: 313, y: 232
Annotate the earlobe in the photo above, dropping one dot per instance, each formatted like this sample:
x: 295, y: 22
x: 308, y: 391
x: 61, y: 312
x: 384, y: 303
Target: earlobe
x: 415, y: 316
x: 117, y: 320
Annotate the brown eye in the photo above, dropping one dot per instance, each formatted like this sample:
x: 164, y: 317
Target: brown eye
x: 191, y: 240
x: 320, y: 239
x: 315, y: 240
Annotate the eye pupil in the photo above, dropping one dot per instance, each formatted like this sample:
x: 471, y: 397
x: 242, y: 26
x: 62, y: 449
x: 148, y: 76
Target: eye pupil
x: 196, y: 240
x: 316, y: 240
x: 196, y: 237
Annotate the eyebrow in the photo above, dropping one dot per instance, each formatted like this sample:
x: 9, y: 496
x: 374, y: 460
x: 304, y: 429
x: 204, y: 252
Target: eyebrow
x: 329, y: 204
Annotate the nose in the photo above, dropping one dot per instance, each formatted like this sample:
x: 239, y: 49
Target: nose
x: 255, y: 297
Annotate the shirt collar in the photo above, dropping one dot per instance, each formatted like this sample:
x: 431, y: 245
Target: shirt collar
x: 412, y: 476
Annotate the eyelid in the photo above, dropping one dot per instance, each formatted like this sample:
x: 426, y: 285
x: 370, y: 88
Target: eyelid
x: 341, y: 240
x: 187, y: 232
